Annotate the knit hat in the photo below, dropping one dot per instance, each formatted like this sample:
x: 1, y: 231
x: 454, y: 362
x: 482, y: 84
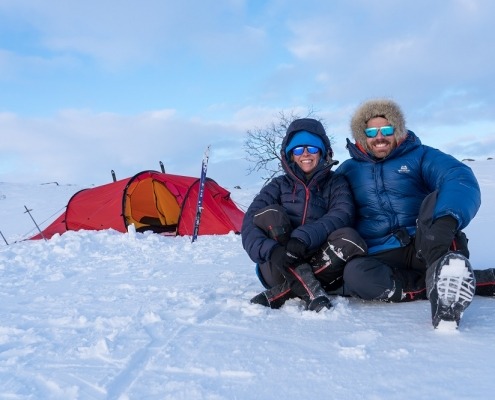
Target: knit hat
x: 378, y: 108
x: 305, y: 138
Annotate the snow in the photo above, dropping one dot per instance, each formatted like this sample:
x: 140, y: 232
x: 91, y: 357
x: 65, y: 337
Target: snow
x: 105, y: 315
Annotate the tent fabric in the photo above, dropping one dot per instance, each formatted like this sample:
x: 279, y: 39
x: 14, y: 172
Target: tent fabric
x: 151, y: 201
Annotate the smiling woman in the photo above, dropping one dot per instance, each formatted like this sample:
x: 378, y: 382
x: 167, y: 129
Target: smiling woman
x: 293, y: 226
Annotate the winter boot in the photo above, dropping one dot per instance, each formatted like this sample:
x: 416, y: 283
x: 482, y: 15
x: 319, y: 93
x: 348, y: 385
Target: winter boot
x: 274, y: 297
x: 307, y: 287
x: 485, y: 282
x: 451, y: 286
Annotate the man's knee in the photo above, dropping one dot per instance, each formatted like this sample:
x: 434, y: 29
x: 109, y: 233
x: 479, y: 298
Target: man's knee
x: 368, y: 279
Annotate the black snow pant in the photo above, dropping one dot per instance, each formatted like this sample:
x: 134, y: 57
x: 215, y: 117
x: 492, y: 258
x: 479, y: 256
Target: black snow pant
x: 393, y: 275
x: 327, y: 263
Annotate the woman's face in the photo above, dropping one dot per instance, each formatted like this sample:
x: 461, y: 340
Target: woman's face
x: 307, y: 161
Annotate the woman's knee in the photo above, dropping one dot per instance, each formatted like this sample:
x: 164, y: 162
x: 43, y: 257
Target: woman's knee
x: 348, y: 242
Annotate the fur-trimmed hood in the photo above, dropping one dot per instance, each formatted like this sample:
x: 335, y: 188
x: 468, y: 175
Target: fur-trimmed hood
x: 378, y: 108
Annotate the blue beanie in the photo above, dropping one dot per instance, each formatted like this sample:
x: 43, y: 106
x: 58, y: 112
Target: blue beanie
x: 305, y: 138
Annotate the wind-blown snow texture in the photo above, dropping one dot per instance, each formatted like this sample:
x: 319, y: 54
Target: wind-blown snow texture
x: 105, y: 315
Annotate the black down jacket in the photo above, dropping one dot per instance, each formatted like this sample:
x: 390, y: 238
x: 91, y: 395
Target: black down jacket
x: 316, y: 207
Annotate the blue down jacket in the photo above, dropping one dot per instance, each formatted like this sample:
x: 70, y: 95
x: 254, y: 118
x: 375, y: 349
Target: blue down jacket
x: 389, y: 192
x: 316, y: 207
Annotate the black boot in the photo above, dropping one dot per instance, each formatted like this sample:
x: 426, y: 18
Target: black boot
x: 307, y: 287
x: 485, y: 282
x: 274, y: 297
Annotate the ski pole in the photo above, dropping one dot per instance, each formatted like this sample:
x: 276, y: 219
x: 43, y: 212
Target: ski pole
x: 201, y: 189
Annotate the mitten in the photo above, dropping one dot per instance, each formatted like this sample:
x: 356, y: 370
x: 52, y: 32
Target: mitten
x: 435, y: 241
x: 296, y: 251
x: 285, y: 257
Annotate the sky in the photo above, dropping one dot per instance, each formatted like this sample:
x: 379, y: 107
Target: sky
x: 89, y: 87
x: 121, y: 316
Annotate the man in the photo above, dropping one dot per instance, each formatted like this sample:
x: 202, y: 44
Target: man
x: 412, y: 202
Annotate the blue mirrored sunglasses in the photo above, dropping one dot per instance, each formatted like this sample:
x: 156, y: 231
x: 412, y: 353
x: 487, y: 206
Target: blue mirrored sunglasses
x: 385, y: 130
x: 297, y: 151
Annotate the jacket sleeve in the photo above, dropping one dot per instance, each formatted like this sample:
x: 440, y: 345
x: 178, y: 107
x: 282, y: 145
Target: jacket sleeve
x: 254, y: 240
x: 340, y: 213
x: 459, y: 193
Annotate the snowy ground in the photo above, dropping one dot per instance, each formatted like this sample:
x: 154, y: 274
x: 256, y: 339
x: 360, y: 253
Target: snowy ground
x: 104, y: 315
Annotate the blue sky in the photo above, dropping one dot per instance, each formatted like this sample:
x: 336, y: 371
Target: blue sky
x: 86, y: 87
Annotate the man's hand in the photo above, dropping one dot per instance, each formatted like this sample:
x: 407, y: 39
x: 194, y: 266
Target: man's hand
x: 434, y: 242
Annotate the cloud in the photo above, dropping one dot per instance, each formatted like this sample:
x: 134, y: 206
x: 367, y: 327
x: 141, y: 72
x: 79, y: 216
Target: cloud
x: 80, y: 146
x: 120, y: 35
x: 394, y: 49
x: 93, y: 86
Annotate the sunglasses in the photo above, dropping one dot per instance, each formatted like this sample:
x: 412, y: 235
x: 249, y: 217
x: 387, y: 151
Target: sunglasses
x: 385, y: 130
x: 297, y: 151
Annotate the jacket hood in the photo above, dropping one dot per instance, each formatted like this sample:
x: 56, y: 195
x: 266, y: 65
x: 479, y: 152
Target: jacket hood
x: 312, y: 126
x: 378, y: 108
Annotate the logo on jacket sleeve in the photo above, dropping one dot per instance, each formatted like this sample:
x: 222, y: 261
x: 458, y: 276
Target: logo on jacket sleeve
x: 404, y: 170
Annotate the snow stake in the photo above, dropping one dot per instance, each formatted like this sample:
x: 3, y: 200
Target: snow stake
x: 39, y: 230
x: 5, y: 240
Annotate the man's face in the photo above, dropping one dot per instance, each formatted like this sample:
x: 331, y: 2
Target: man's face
x: 380, y: 146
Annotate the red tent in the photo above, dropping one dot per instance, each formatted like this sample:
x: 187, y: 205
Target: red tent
x: 151, y: 201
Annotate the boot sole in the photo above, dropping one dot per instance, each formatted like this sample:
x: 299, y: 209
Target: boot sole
x: 455, y: 287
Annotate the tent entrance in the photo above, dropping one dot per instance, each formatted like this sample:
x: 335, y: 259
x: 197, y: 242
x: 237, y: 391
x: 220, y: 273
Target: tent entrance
x: 150, y: 206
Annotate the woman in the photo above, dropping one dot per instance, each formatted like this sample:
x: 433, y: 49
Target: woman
x: 297, y: 228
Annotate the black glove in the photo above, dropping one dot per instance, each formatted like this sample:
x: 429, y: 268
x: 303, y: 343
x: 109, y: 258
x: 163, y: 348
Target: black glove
x: 435, y: 241
x: 296, y: 251
x: 292, y: 255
